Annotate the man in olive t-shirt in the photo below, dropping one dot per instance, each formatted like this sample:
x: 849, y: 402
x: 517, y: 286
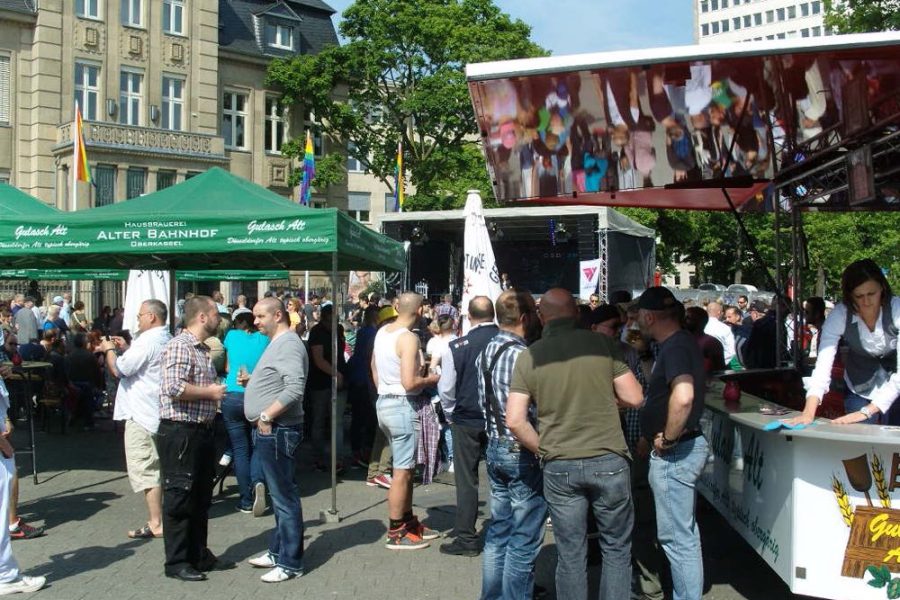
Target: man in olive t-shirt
x: 576, y: 378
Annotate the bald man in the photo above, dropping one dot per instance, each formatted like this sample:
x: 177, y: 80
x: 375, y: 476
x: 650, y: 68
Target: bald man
x: 461, y: 402
x: 719, y: 330
x: 577, y: 380
x: 396, y: 369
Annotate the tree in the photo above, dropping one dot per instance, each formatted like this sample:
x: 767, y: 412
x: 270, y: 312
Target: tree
x: 859, y: 16
x: 400, y: 77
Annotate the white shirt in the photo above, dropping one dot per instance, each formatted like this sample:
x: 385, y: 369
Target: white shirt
x: 140, y: 372
x: 724, y: 334
x: 437, y: 346
x: 875, y: 343
x: 447, y: 383
x: 4, y: 405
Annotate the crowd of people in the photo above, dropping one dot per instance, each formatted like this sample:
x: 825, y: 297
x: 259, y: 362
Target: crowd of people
x: 587, y: 416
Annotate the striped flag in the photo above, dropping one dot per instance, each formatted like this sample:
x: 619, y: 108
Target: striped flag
x: 309, y: 171
x: 398, y: 179
x: 80, y: 161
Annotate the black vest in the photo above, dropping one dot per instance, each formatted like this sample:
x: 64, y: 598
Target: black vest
x: 862, y: 369
x: 465, y: 350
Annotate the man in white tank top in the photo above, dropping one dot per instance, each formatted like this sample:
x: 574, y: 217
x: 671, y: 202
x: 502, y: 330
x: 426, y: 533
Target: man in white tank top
x: 396, y: 370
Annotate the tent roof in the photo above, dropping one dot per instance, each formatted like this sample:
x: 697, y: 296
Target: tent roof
x: 215, y: 220
x: 16, y: 203
x: 607, y: 218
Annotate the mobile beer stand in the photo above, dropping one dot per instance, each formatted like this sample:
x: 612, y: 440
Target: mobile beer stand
x: 780, y: 126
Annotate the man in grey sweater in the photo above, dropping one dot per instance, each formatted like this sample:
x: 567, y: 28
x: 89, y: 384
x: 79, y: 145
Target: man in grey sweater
x: 274, y: 402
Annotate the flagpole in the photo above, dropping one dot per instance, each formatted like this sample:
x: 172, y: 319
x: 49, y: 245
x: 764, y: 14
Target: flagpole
x: 76, y: 142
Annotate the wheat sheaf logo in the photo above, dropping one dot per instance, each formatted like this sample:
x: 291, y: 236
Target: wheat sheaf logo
x: 874, y: 543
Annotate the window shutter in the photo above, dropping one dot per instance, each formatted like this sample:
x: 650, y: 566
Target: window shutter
x: 5, y: 91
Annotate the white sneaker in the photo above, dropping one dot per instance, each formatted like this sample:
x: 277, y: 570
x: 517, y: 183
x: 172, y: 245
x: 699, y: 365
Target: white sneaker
x: 259, y: 499
x: 450, y: 468
x: 278, y: 574
x: 225, y: 460
x: 23, y: 584
x: 738, y: 464
x: 263, y: 561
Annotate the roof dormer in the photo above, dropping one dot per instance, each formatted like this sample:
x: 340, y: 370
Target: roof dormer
x: 278, y: 29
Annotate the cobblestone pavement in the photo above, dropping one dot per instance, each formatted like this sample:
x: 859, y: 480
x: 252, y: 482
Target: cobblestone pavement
x: 85, y: 502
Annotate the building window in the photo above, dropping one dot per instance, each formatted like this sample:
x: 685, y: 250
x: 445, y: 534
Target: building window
x: 132, y: 13
x: 165, y: 179
x: 780, y: 13
x: 715, y: 4
x: 4, y: 177
x: 705, y: 28
x: 736, y: 23
x: 715, y: 27
x: 234, y: 119
x: 804, y: 9
x: 757, y: 18
x: 130, y: 98
x: 746, y: 20
x: 280, y: 36
x: 770, y: 16
x: 725, y: 26
x: 276, y: 125
x: 172, y: 102
x: 816, y: 7
x: 816, y: 31
x: 105, y: 184
x: 704, y: 6
x: 87, y: 89
x: 792, y: 12
x: 354, y: 165
x: 173, y: 17
x: 190, y: 174
x: 359, y: 206
x: 5, y: 90
x: 89, y: 9
x: 804, y: 32
x: 724, y: 3
x: 389, y: 202
x: 137, y: 181
x: 781, y: 36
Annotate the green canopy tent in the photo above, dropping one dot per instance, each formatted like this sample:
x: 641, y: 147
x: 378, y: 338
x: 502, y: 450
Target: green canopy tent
x: 211, y: 221
x: 17, y: 205
x: 122, y: 275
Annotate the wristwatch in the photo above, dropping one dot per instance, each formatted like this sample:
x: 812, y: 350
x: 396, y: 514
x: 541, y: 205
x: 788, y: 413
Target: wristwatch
x: 865, y: 410
x: 264, y: 418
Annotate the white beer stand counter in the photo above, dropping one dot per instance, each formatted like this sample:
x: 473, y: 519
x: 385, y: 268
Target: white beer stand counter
x: 816, y: 504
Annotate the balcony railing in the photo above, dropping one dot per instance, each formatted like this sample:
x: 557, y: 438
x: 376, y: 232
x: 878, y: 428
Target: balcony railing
x: 145, y: 140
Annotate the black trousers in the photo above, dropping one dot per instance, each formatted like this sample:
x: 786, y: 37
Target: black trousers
x: 468, y: 448
x: 363, y: 418
x: 187, y: 461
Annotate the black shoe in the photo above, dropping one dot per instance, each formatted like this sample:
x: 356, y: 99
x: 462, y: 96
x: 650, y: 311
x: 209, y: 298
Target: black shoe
x: 188, y: 574
x: 457, y: 549
x: 210, y: 562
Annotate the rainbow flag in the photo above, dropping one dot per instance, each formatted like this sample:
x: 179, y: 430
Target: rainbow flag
x: 79, y: 160
x: 309, y: 171
x: 398, y: 179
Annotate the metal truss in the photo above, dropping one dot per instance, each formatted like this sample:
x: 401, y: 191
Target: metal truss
x: 603, y: 253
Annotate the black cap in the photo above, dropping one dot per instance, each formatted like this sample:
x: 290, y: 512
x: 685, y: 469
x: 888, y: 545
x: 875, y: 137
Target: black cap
x: 604, y: 313
x: 657, y: 298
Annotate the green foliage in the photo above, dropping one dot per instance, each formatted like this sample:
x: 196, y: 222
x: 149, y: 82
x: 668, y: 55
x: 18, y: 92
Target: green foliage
x: 881, y: 576
x: 858, y: 16
x: 400, y: 77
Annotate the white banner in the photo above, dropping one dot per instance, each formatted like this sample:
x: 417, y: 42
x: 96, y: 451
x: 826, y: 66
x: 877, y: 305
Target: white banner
x: 143, y: 285
x: 480, y: 275
x: 589, y: 276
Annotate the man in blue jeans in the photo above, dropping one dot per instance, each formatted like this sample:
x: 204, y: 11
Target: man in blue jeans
x: 518, y: 509
x: 576, y: 380
x: 671, y: 423
x: 274, y: 401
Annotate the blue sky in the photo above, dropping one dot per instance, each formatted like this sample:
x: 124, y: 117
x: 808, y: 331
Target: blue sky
x: 576, y: 26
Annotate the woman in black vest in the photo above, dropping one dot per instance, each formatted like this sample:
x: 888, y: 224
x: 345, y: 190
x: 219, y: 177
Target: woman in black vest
x: 867, y: 322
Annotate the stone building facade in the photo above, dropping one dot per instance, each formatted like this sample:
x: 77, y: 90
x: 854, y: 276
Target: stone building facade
x: 167, y: 89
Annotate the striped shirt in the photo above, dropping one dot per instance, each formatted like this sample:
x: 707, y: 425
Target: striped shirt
x: 186, y: 360
x: 500, y: 380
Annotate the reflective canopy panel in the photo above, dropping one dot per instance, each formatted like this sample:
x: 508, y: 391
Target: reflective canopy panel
x: 674, y: 127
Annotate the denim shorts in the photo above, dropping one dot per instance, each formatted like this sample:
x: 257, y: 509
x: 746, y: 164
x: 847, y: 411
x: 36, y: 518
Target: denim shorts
x: 397, y: 419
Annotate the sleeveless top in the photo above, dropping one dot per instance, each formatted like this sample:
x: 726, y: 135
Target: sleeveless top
x: 388, y: 362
